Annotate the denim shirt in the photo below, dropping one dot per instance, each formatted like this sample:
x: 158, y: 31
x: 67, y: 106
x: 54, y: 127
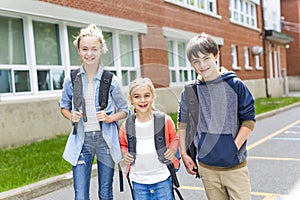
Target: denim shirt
x: 116, y: 102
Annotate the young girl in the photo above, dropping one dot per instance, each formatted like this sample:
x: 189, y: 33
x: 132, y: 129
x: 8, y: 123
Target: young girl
x: 88, y: 138
x: 149, y: 176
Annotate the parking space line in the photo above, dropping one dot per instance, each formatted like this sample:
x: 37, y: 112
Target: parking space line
x: 271, y: 135
x: 268, y: 196
x: 191, y: 188
x: 273, y: 158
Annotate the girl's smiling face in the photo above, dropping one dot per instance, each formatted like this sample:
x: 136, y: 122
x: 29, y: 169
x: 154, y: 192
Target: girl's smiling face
x: 89, y: 50
x: 142, y: 98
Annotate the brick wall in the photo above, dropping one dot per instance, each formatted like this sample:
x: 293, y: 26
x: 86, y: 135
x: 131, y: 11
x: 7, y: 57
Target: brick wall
x: 158, y: 13
x: 290, y: 11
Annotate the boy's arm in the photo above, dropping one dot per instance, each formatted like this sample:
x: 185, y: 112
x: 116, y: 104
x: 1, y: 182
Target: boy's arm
x: 189, y: 164
x: 244, y: 132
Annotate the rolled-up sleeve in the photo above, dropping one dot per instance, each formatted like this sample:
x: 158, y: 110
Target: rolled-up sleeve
x: 67, y: 94
x: 118, y: 96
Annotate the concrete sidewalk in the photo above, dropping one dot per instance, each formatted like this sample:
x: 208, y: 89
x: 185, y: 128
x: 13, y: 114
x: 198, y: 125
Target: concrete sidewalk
x: 49, y: 185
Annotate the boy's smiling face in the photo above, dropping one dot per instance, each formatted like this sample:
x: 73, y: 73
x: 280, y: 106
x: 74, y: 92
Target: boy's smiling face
x: 205, y: 65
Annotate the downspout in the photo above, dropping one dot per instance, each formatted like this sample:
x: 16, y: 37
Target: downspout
x: 264, y: 49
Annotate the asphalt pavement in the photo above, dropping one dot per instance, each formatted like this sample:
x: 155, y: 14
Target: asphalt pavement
x: 274, y: 165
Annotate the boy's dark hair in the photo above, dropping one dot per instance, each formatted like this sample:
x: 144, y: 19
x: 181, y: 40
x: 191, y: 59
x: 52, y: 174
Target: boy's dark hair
x: 201, y: 43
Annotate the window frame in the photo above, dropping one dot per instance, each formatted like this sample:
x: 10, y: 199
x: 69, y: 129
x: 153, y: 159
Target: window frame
x: 241, y: 10
x: 179, y: 71
x: 195, y: 7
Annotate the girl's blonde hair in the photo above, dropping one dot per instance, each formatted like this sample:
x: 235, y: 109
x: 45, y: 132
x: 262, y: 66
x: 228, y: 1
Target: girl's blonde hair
x: 91, y: 31
x: 141, y: 82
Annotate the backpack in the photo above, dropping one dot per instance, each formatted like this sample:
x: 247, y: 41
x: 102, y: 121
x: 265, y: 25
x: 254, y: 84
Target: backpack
x: 191, y: 129
x: 160, y: 146
x: 78, y: 99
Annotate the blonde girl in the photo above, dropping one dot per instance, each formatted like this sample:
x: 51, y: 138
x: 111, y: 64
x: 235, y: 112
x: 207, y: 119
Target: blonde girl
x: 149, y: 177
x: 92, y: 139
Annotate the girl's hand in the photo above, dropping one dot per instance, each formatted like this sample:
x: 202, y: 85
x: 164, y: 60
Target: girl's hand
x: 169, y: 154
x: 128, y: 158
x: 102, y: 116
x: 76, y: 115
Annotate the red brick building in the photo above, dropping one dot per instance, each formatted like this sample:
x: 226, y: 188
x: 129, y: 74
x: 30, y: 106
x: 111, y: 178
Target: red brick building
x: 290, y: 10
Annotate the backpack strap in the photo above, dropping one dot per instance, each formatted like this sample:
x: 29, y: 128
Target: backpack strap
x: 105, y: 83
x: 78, y: 100
x: 191, y: 130
x: 159, y: 136
x: 131, y: 136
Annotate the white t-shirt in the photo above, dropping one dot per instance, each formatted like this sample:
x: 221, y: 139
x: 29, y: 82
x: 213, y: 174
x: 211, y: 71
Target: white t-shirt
x: 147, y: 168
x: 92, y: 123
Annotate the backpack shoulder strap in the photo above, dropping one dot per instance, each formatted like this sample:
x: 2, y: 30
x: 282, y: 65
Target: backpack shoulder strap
x: 131, y: 135
x: 105, y: 83
x: 73, y: 75
x: 191, y: 130
x: 159, y: 136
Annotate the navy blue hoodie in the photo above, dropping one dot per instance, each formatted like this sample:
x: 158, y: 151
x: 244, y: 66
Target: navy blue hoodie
x: 224, y: 104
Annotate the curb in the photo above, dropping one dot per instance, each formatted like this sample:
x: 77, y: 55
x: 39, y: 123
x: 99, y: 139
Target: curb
x: 41, y: 188
x: 51, y: 184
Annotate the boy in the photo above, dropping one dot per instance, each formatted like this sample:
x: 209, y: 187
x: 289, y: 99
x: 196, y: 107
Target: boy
x: 226, y: 116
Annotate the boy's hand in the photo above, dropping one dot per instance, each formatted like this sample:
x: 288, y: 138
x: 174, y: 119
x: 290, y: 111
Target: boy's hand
x: 189, y: 164
x: 128, y: 158
x: 169, y: 154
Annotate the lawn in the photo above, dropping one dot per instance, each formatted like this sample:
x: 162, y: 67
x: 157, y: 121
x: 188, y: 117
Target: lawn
x: 31, y: 163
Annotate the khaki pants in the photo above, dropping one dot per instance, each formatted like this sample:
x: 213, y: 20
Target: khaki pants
x: 226, y: 184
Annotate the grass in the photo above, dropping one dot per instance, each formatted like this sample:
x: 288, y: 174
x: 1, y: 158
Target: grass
x: 31, y: 163
x: 264, y: 105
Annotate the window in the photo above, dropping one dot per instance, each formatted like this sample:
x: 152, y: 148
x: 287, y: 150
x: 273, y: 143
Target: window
x: 234, y: 58
x: 257, y: 63
x: 204, y: 6
x: 14, y: 73
x: 48, y: 55
x: 108, y: 57
x: 46, y: 41
x: 243, y: 12
x: 246, y: 58
x: 180, y: 69
x: 73, y: 53
x: 38, y: 53
x: 127, y: 58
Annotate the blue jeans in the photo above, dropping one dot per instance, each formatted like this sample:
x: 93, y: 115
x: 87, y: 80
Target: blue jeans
x: 157, y: 191
x: 94, y: 144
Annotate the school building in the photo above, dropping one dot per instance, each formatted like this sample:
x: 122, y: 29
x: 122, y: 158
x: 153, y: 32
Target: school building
x: 145, y: 38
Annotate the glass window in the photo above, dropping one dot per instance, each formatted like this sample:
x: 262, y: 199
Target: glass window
x: 246, y: 58
x: 126, y: 50
x: 234, y: 58
x: 170, y: 54
x: 43, y: 80
x: 72, y: 33
x: 22, y: 81
x: 108, y: 57
x: 243, y: 12
x: 46, y: 40
x: 181, y: 54
x: 203, y: 6
x: 5, y: 81
x: 58, y: 79
x: 12, y: 41
x: 179, y: 70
